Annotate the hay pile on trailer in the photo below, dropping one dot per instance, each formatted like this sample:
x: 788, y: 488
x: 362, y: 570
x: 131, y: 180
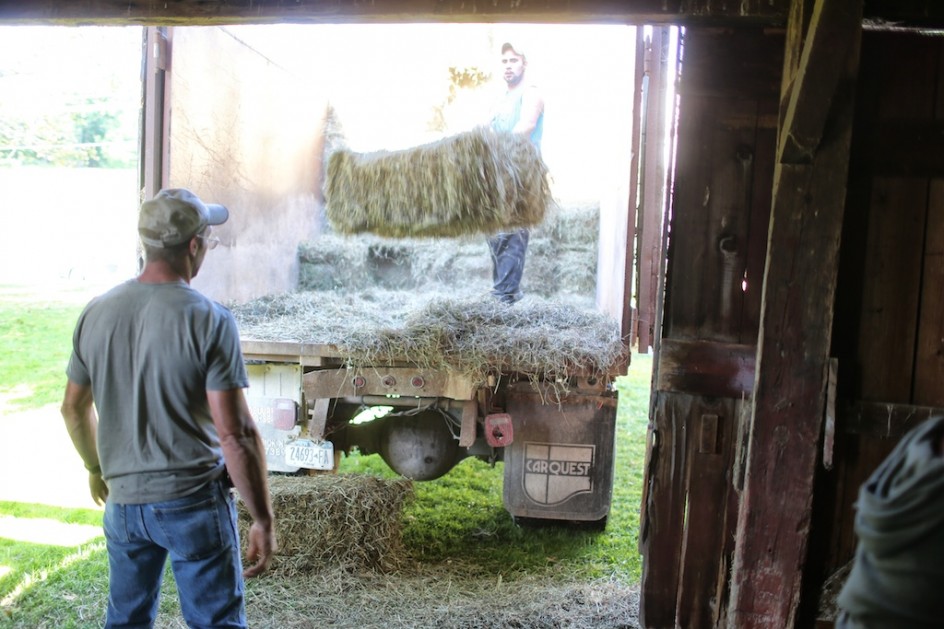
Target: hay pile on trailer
x: 479, y: 181
x: 349, y: 521
x: 473, y: 335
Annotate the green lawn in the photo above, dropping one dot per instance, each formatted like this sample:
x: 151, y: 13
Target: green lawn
x: 460, y: 516
x: 35, y: 342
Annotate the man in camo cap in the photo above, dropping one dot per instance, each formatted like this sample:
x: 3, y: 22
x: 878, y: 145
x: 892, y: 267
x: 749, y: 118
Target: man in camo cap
x: 155, y: 407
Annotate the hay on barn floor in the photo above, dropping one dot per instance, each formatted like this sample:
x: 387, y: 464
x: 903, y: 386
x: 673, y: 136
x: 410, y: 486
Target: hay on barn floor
x: 447, y: 596
x: 479, y: 181
x: 469, y: 334
x: 329, y: 521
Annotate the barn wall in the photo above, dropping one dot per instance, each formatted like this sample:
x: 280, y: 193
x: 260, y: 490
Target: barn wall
x: 888, y: 334
x: 249, y: 136
x: 729, y: 93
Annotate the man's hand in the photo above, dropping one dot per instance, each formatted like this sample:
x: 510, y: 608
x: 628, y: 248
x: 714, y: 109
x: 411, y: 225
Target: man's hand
x: 98, y: 488
x: 261, y: 546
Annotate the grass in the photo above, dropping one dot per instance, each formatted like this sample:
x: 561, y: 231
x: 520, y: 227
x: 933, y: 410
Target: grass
x: 476, y: 527
x: 457, y: 520
x: 35, y: 342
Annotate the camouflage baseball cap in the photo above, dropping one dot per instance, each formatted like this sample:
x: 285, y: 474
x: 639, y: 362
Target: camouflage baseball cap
x: 175, y: 216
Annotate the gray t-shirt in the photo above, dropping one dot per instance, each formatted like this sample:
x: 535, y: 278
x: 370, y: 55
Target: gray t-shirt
x: 150, y: 352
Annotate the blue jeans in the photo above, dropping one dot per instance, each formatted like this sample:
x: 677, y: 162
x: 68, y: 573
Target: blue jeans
x: 508, y: 251
x: 199, y: 534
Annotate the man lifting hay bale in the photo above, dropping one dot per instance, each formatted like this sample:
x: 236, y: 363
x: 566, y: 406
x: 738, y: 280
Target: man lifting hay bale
x: 521, y: 113
x: 490, y: 180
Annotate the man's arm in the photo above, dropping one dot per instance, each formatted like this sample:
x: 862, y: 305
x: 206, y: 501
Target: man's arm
x: 82, y: 423
x: 532, y: 106
x: 244, y: 454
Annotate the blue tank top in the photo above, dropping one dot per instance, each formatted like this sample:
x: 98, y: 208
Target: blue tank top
x: 509, y: 113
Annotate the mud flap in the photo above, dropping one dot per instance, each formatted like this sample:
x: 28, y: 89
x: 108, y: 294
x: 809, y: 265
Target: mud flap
x: 560, y: 465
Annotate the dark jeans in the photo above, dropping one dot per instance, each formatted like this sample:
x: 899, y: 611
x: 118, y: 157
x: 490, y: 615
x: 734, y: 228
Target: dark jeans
x: 508, y: 251
x: 199, y: 534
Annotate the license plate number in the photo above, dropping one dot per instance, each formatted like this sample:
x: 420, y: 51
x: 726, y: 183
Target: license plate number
x: 310, y: 454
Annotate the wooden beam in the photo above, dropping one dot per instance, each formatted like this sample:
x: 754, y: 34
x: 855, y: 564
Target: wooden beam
x: 629, y: 330
x: 881, y: 14
x: 884, y: 420
x: 832, y: 24
x: 793, y: 351
x: 221, y: 12
x: 910, y: 14
x: 706, y: 368
x: 653, y: 188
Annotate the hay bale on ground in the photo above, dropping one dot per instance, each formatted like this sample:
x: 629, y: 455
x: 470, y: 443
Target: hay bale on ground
x: 328, y: 521
x: 479, y: 181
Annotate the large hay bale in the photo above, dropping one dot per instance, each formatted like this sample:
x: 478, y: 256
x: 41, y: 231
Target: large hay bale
x: 479, y: 181
x: 329, y: 521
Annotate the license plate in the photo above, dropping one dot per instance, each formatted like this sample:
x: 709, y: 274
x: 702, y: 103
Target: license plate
x: 310, y: 454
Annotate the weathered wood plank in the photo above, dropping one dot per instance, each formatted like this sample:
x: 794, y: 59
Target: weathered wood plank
x: 758, y: 222
x: 886, y: 336
x: 706, y: 368
x: 898, y: 13
x: 710, y: 248
x: 629, y: 327
x: 794, y: 342
x: 884, y: 420
x: 663, y: 512
x: 815, y: 82
x: 711, y: 513
x: 892, y: 136
x: 929, y: 363
x: 653, y: 186
x: 219, y: 12
x: 287, y: 351
x: 742, y: 62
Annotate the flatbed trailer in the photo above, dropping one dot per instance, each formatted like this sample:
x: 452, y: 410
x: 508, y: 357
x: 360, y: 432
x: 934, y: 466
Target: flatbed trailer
x: 554, y: 437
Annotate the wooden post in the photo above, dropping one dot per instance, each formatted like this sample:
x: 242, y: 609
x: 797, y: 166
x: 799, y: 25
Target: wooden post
x: 653, y: 187
x: 796, y: 318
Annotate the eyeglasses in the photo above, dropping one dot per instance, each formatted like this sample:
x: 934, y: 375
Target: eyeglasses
x: 211, y: 241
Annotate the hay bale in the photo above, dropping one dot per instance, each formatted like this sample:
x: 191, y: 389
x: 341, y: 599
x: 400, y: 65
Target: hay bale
x: 333, y: 262
x: 479, y: 181
x: 561, y: 259
x: 461, y: 261
x: 573, y: 226
x: 328, y: 521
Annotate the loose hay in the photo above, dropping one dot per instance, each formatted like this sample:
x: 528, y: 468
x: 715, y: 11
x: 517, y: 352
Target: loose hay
x: 445, y: 596
x: 479, y: 181
x: 473, y: 335
x: 329, y: 521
